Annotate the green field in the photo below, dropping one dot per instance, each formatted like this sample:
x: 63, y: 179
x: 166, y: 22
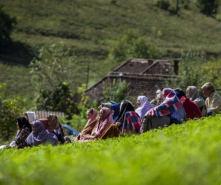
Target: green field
x: 178, y: 155
x: 89, y: 28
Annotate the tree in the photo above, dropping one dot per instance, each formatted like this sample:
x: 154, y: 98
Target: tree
x: 10, y: 109
x: 208, y: 7
x: 54, y: 65
x: 7, y: 24
x: 59, y: 99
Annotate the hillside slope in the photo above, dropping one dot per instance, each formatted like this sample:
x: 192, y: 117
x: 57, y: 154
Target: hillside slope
x: 87, y: 24
x: 186, y: 154
x: 88, y: 28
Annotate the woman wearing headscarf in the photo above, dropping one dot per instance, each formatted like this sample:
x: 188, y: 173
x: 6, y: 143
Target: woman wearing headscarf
x: 52, y: 125
x: 191, y: 109
x: 24, y: 129
x: 213, y: 99
x: 103, y: 125
x: 113, y: 106
x: 143, y: 106
x: 92, y: 117
x: 170, y: 111
x: 193, y: 94
x: 40, y: 135
x: 128, y: 120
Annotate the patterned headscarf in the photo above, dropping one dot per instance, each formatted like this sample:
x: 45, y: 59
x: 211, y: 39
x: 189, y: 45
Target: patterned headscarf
x: 171, y: 106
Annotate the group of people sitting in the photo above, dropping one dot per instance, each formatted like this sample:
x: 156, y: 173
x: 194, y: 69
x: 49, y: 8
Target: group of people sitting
x: 116, y: 119
x: 41, y: 131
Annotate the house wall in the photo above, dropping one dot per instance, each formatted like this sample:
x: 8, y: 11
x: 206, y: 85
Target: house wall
x: 137, y: 87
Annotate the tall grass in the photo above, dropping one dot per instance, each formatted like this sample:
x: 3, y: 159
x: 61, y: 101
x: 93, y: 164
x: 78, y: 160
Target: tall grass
x: 178, y: 155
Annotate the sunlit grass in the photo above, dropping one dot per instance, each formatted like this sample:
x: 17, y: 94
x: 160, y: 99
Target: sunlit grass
x: 180, y: 154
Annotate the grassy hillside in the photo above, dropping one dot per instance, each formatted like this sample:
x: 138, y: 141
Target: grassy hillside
x: 186, y: 154
x: 88, y: 28
x: 85, y: 24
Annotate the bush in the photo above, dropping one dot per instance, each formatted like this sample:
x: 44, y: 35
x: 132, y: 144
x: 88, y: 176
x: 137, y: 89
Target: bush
x: 7, y: 24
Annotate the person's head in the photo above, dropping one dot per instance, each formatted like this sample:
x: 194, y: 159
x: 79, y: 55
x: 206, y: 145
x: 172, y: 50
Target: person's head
x: 91, y: 113
x: 104, y: 113
x: 22, y: 122
x: 52, y: 122
x: 159, y: 94
x: 168, y: 92
x: 207, y: 89
x: 126, y: 105
x: 180, y: 93
x: 37, y: 127
x: 141, y: 100
x: 192, y: 92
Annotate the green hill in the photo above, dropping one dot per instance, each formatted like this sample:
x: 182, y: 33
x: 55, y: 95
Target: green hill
x: 88, y: 28
x: 89, y: 25
x: 186, y: 154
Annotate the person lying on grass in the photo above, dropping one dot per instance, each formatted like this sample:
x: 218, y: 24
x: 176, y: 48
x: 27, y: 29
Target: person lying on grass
x: 194, y: 95
x: 191, y: 109
x: 143, y: 106
x: 52, y: 125
x: 128, y: 120
x: 170, y: 111
x: 40, y: 135
x: 24, y: 129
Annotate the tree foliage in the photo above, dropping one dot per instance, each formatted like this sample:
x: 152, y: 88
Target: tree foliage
x: 10, y: 109
x: 117, y: 91
x: 208, y: 7
x: 7, y: 24
x: 54, y: 65
x: 59, y: 99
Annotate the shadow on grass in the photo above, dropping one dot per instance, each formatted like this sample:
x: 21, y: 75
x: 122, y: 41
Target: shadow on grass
x: 16, y: 53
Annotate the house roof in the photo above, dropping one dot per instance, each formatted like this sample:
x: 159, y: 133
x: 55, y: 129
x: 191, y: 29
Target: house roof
x: 139, y: 69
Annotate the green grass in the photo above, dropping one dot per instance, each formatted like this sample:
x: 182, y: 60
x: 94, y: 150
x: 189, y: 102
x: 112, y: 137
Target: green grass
x: 95, y: 22
x: 88, y: 28
x: 180, y: 155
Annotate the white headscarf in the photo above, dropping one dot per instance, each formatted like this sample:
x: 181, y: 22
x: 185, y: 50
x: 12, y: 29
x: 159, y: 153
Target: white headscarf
x: 144, y: 106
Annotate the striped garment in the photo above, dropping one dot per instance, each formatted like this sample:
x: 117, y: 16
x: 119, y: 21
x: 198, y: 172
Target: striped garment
x: 132, y: 122
x: 171, y: 106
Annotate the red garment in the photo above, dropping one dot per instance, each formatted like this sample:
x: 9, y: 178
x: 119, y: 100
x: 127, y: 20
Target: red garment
x: 191, y: 109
